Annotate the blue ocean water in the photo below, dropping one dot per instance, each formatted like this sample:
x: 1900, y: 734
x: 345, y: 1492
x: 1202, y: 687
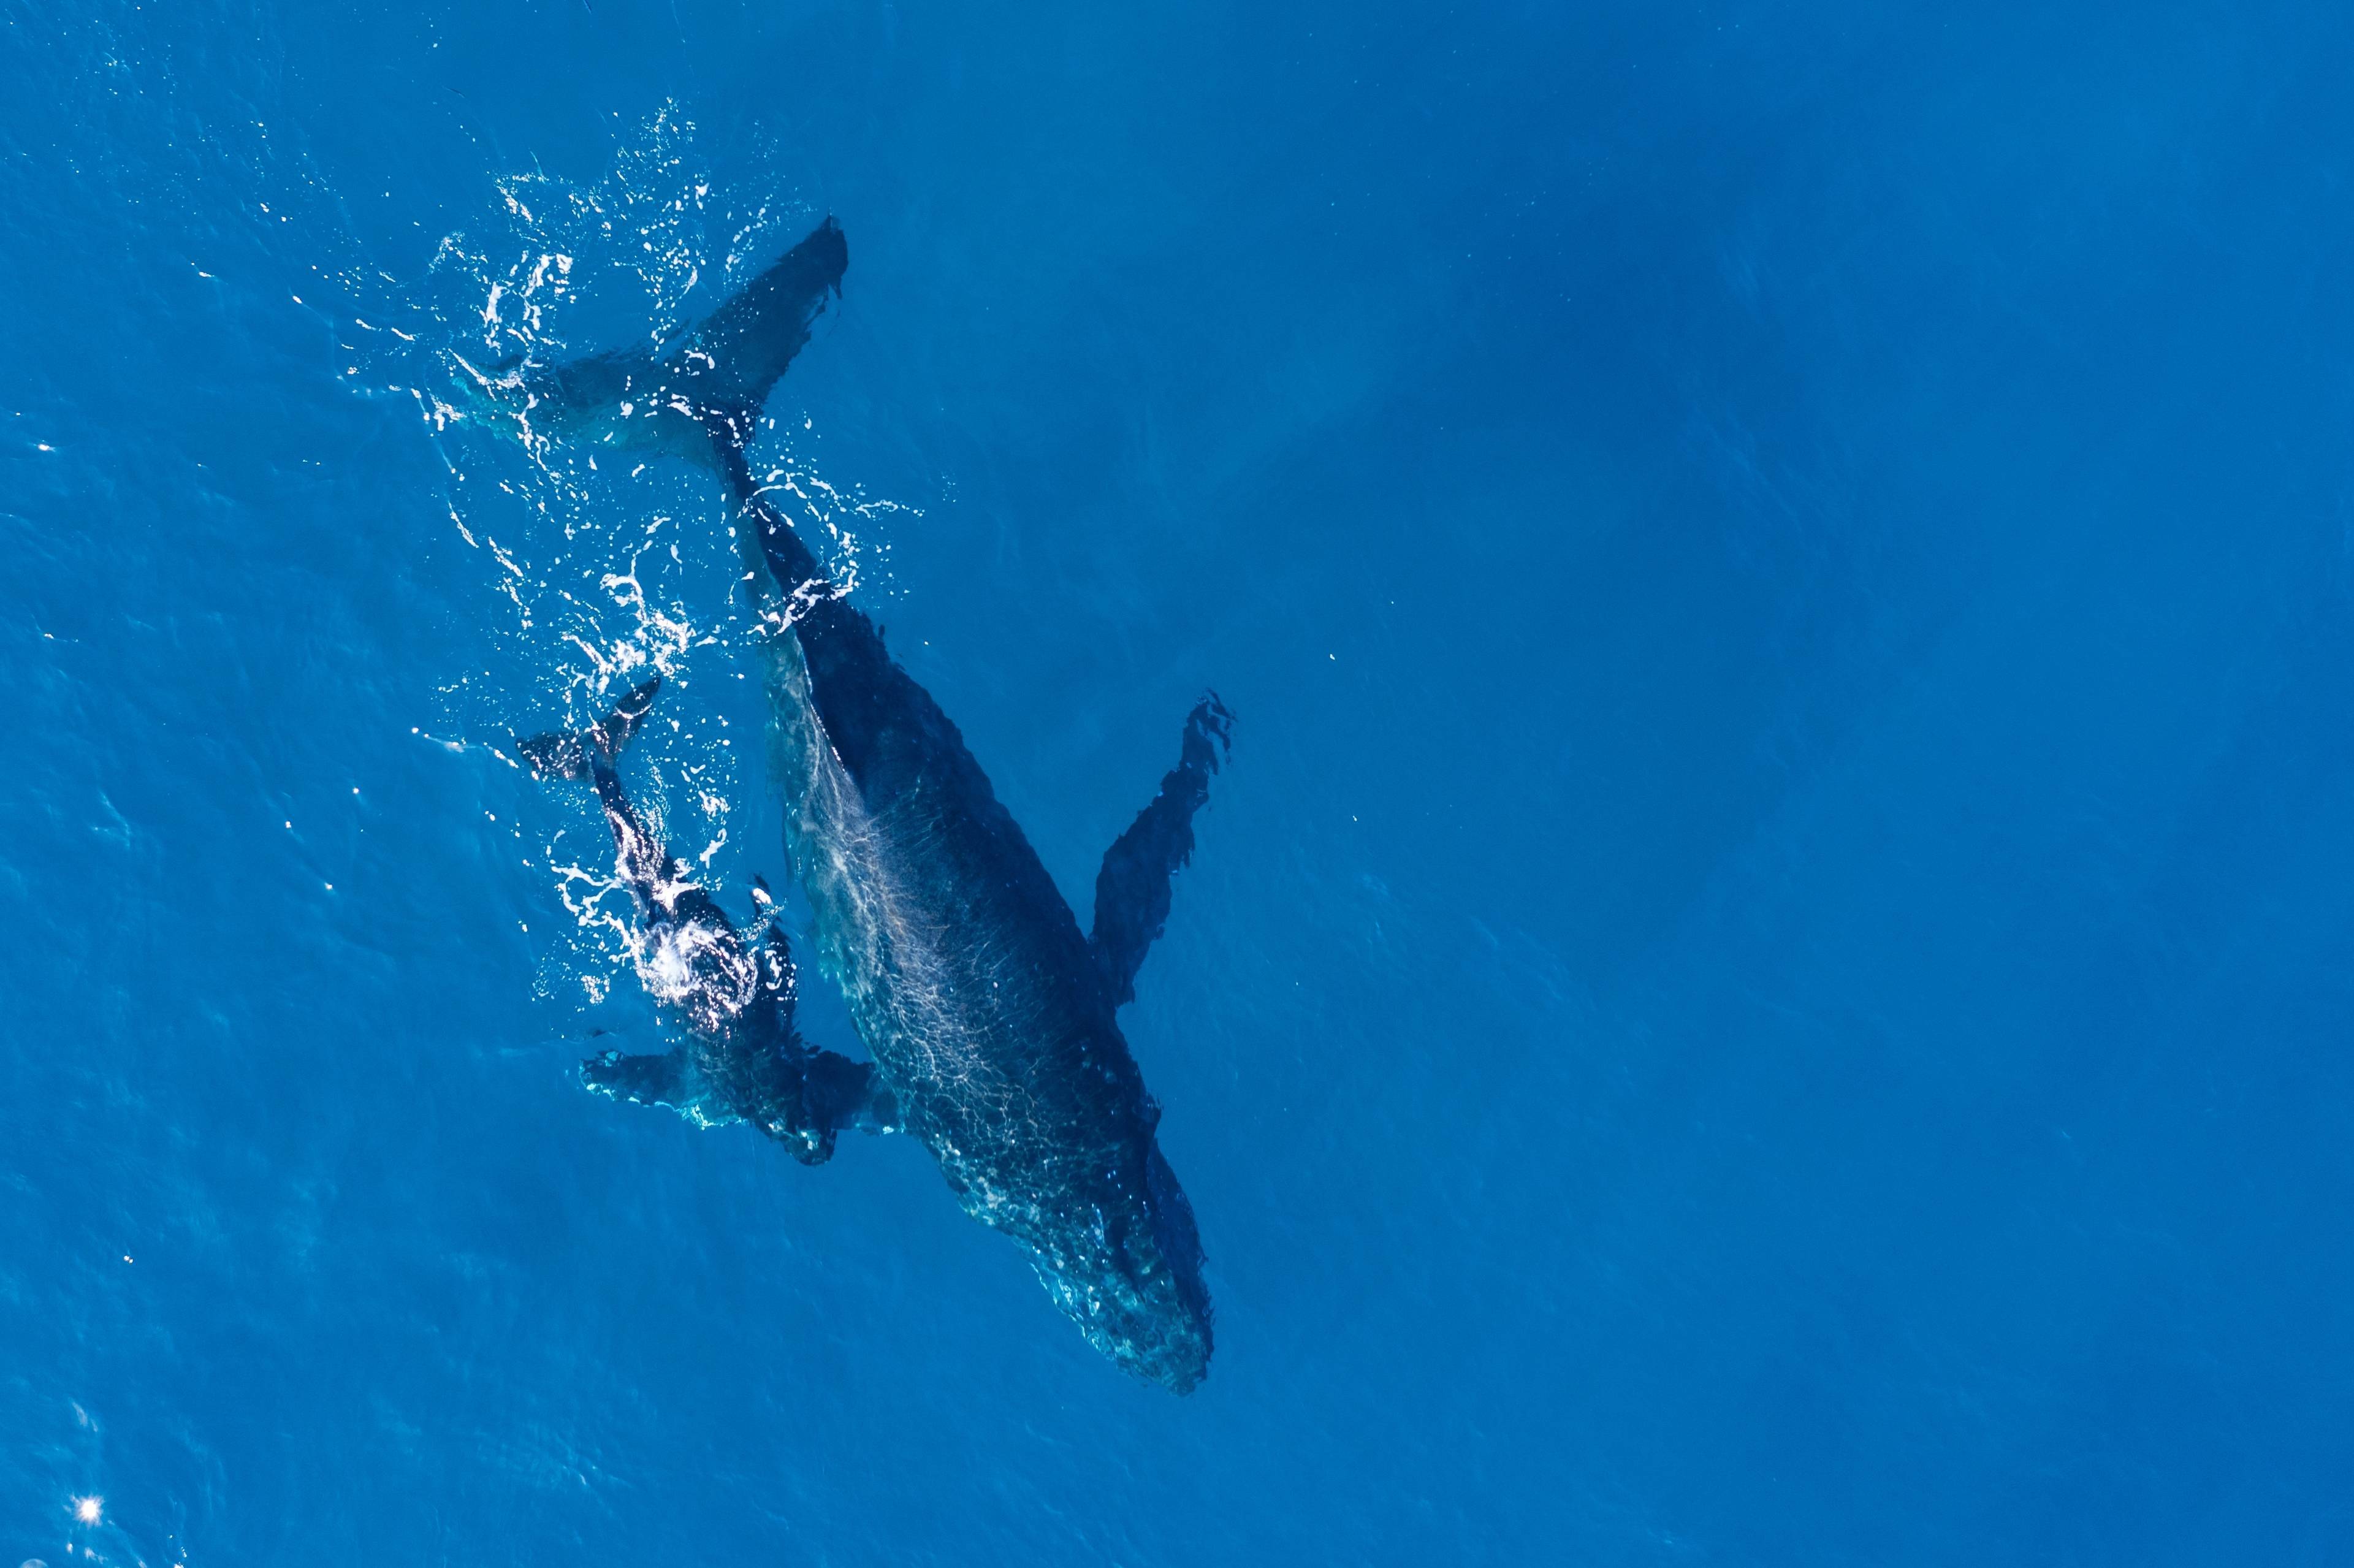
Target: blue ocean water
x: 1767, y: 983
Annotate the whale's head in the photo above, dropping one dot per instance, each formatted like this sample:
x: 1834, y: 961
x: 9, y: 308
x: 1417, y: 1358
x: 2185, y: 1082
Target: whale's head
x: 1134, y: 1286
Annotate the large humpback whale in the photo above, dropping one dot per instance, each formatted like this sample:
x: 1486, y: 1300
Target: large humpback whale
x: 991, y: 1018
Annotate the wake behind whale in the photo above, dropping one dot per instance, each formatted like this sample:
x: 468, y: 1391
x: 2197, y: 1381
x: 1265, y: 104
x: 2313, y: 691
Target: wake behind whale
x: 990, y: 1017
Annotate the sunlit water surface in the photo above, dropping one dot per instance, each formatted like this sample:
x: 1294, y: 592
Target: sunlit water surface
x: 1769, y: 981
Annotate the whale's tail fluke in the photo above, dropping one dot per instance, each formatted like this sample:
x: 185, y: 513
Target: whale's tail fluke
x: 695, y: 395
x: 564, y: 754
x: 731, y: 361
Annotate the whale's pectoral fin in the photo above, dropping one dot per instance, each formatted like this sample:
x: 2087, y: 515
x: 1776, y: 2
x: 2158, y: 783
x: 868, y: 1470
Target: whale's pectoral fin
x: 834, y: 1093
x: 1132, y: 890
x: 651, y: 1080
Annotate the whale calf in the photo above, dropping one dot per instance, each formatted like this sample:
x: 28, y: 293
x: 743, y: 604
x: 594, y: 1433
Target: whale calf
x: 990, y: 1017
x: 743, y: 1060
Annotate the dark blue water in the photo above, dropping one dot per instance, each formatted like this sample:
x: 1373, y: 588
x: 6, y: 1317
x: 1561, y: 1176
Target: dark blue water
x: 1769, y: 982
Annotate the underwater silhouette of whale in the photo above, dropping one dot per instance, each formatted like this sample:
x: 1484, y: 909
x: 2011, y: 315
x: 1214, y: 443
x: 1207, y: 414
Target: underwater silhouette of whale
x: 991, y: 1018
